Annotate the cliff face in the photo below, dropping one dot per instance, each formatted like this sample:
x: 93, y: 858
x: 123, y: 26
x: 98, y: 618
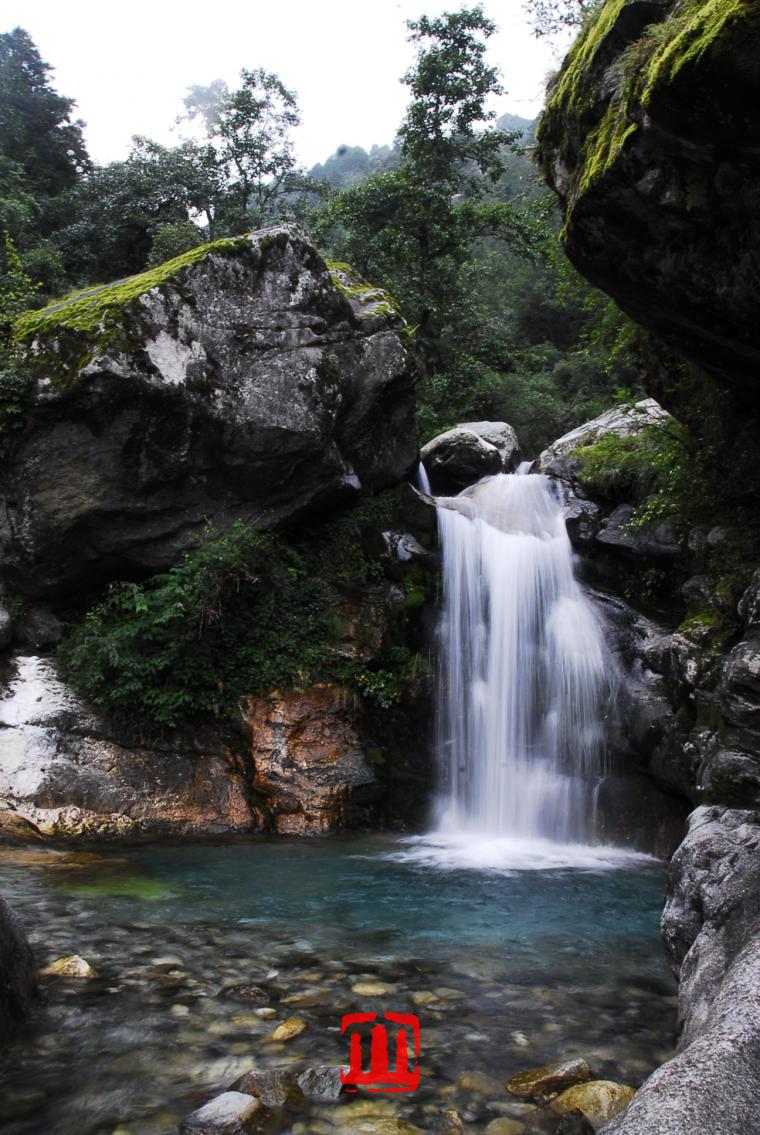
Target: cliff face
x: 651, y: 140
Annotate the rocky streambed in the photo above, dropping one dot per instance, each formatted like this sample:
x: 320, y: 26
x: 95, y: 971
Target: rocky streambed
x: 209, y: 963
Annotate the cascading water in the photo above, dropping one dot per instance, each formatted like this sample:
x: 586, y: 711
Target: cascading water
x: 525, y: 679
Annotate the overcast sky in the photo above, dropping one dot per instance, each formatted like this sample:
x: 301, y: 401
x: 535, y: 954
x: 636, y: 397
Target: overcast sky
x: 128, y: 64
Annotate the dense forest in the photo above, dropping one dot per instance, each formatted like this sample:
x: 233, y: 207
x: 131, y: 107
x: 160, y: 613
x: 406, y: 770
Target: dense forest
x: 452, y: 219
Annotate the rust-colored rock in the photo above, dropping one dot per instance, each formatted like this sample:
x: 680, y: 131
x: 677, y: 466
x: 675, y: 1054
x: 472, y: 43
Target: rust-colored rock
x: 308, y: 760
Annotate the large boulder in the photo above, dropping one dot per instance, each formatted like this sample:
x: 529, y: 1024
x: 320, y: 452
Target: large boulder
x: 18, y: 971
x: 244, y: 379
x: 711, y: 927
x: 563, y: 458
x: 461, y: 456
x: 649, y: 140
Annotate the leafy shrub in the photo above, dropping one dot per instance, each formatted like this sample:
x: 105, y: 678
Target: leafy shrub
x: 244, y: 613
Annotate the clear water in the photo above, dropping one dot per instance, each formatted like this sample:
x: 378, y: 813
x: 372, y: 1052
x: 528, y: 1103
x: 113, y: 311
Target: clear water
x: 506, y: 969
x: 525, y: 680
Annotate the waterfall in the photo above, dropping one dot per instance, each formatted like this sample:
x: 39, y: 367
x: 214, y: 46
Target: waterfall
x: 525, y: 680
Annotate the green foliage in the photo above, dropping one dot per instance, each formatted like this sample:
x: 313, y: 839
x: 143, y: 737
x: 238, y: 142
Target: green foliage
x: 36, y: 132
x: 172, y: 239
x: 551, y: 17
x: 18, y: 292
x: 246, y: 612
x: 663, y: 469
x: 249, y: 130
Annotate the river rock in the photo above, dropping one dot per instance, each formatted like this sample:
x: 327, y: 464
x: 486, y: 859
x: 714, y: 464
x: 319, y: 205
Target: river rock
x: 245, y: 380
x: 711, y: 929
x: 292, y: 1027
x: 560, y: 460
x: 6, y: 627
x: 275, y: 1087
x: 73, y: 965
x: 308, y: 759
x: 599, y: 1100
x: 460, y: 456
x: 323, y: 1082
x: 37, y: 628
x: 232, y: 1113
x: 549, y: 1079
x: 574, y: 1123
x: 504, y: 1126
x: 63, y: 773
x: 740, y: 685
x: 17, y: 967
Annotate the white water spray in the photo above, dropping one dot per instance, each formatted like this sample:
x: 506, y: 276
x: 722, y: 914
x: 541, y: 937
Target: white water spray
x: 526, y: 681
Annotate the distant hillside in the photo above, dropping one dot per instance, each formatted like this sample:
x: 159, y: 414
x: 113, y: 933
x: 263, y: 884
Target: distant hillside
x: 351, y: 164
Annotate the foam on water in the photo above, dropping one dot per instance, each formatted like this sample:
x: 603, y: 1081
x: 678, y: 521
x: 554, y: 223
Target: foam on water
x: 508, y: 855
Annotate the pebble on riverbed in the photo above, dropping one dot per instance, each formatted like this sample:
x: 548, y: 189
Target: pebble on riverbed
x: 71, y: 966
x: 290, y: 1028
x: 232, y: 1113
x: 599, y: 1100
x: 550, y: 1079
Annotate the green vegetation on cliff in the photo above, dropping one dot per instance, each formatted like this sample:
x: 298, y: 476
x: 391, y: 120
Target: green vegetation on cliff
x: 655, y: 55
x: 249, y: 612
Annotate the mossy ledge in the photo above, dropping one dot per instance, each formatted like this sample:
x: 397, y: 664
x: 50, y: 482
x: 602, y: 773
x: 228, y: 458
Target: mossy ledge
x: 635, y: 53
x: 351, y: 285
x: 61, y: 339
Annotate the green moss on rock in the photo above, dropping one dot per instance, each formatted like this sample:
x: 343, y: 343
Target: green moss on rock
x: 60, y: 339
x: 599, y: 126
x: 353, y: 287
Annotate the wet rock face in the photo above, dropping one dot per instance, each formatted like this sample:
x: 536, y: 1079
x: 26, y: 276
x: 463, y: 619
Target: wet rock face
x: 711, y: 927
x: 250, y: 383
x: 461, y: 456
x: 17, y: 969
x: 63, y: 773
x: 650, y: 143
x: 309, y: 762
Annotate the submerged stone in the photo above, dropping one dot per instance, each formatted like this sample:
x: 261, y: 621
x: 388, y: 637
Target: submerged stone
x: 599, y: 1100
x: 70, y: 966
x: 231, y: 1113
x: 290, y: 1028
x: 550, y: 1079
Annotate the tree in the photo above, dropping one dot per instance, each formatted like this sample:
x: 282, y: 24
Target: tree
x: 551, y: 17
x: 36, y: 131
x: 414, y: 228
x: 249, y: 129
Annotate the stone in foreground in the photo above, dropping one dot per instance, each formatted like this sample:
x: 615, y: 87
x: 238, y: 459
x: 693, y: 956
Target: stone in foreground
x: 599, y: 1100
x: 232, y: 1113
x: 73, y: 965
x: 550, y: 1079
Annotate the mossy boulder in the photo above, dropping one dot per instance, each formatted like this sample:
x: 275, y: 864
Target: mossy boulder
x: 651, y: 140
x: 243, y: 379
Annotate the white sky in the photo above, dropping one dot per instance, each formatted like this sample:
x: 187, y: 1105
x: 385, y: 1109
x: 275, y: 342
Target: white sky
x: 128, y: 64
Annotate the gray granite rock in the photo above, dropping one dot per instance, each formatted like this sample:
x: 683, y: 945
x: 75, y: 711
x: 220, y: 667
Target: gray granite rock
x: 251, y: 383
x: 461, y: 456
x: 18, y: 971
x: 711, y: 928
